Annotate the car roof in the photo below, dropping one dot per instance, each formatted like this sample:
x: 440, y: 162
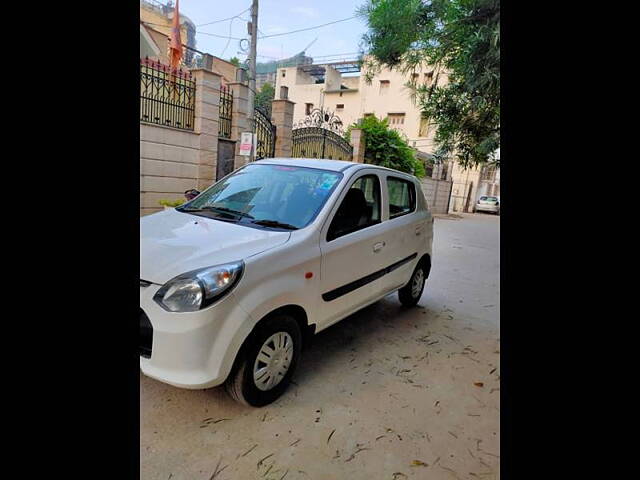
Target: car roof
x: 333, y: 165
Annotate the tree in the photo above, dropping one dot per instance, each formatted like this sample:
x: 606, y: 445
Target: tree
x: 264, y: 97
x: 460, y: 39
x: 385, y: 146
x: 235, y: 61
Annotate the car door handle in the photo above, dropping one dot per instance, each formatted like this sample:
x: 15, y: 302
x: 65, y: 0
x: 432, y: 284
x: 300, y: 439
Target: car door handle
x: 378, y: 246
x: 418, y: 229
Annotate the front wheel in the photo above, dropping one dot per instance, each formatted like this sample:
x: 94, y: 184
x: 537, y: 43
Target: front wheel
x: 264, y: 371
x: 412, y: 291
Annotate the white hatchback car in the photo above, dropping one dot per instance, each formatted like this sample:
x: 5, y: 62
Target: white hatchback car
x: 488, y: 204
x: 233, y: 282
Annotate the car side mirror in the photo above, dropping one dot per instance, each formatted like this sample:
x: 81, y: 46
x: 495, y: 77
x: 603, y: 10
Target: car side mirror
x: 191, y: 194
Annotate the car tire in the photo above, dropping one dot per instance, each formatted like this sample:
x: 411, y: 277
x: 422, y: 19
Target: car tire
x: 410, y: 294
x: 242, y: 385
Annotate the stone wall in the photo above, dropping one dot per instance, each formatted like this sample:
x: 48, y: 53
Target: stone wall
x: 168, y: 165
x: 173, y: 160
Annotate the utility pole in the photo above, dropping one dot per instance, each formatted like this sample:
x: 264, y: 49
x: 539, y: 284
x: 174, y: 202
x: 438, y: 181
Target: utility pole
x: 252, y: 69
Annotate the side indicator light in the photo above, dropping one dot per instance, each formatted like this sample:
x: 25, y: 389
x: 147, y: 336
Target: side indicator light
x: 308, y: 275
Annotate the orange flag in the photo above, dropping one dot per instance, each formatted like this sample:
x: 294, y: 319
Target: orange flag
x: 175, y: 43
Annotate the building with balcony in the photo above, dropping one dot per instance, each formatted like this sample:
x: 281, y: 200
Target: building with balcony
x: 343, y: 89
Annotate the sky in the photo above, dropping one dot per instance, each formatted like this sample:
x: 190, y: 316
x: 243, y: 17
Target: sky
x: 277, y: 16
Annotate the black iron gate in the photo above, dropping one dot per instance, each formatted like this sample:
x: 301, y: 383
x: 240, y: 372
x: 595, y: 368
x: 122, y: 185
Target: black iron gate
x: 265, y: 135
x: 319, y: 135
x: 226, y: 158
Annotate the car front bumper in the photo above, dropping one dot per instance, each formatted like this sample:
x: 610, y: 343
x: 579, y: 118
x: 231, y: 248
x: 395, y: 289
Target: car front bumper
x: 193, y: 350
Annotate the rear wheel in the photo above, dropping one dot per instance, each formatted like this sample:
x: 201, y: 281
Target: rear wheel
x: 264, y: 371
x: 410, y: 294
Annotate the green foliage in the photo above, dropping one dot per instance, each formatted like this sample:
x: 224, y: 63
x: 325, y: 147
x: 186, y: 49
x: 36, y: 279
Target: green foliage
x: 235, y: 61
x: 171, y: 203
x: 459, y: 39
x: 264, y: 97
x: 385, y: 146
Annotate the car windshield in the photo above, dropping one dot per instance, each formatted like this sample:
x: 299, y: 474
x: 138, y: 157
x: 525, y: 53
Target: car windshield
x: 270, y: 196
x: 489, y: 199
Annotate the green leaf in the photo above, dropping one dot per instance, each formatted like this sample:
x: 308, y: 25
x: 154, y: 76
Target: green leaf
x: 459, y: 37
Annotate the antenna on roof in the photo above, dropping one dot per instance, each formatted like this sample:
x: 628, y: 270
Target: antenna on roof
x: 304, y: 50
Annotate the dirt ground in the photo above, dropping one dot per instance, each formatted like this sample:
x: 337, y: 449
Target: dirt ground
x: 387, y: 393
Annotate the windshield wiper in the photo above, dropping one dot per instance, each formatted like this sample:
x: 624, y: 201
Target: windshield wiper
x: 275, y: 223
x: 228, y: 210
x: 223, y: 210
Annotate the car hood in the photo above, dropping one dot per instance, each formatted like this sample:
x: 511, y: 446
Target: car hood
x: 172, y: 243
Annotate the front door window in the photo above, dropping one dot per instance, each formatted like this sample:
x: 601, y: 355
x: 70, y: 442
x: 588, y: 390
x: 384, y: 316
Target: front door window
x: 359, y: 209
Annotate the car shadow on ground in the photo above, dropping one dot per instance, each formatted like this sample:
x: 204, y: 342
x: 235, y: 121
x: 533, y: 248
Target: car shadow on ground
x: 360, y: 336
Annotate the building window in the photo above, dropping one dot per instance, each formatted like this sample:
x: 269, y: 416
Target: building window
x: 308, y: 108
x: 415, y: 77
x: 340, y: 107
x: 284, y: 73
x: 396, y: 119
x: 428, y: 78
x: 424, y: 127
x: 488, y: 173
x: 367, y: 115
x: 444, y: 172
x: 384, y: 86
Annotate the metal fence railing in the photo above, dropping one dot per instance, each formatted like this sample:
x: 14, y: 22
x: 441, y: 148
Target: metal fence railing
x: 265, y: 134
x: 156, y: 6
x: 226, y: 112
x: 192, y: 58
x: 167, y: 97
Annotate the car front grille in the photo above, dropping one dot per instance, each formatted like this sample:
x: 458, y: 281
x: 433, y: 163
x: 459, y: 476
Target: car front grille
x: 146, y: 335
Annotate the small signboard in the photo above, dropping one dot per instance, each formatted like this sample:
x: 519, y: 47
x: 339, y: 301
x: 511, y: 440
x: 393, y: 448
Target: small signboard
x: 246, y: 143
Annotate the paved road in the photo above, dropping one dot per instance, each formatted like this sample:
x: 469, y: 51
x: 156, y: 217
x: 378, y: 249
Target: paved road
x: 375, y: 393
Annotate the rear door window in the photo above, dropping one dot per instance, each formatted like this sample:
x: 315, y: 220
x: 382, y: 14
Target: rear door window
x: 402, y: 196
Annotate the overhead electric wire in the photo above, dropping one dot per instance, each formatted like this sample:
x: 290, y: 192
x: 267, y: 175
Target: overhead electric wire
x: 308, y: 28
x: 218, y: 36
x: 229, y: 37
x: 224, y: 19
x: 228, y: 41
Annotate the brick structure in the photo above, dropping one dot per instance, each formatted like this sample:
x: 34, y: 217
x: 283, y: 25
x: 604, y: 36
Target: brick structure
x: 282, y: 118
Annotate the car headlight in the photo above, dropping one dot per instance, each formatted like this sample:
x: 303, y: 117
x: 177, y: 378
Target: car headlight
x: 198, y: 289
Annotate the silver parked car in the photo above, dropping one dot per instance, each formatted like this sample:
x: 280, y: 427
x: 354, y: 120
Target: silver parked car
x: 488, y: 204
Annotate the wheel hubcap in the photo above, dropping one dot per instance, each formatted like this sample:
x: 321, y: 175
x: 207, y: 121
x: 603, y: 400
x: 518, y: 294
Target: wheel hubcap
x: 273, y: 361
x: 417, y: 283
